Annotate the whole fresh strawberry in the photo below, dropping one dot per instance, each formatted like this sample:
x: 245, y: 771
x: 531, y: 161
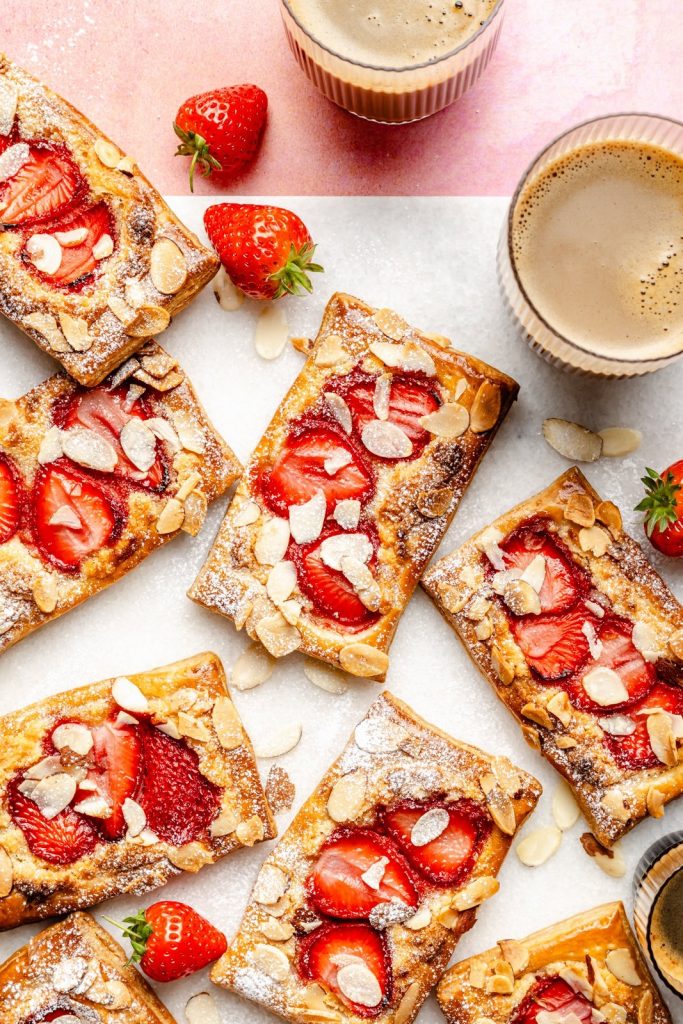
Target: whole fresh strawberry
x: 171, y: 940
x: 267, y: 251
x: 221, y: 129
x: 663, y: 508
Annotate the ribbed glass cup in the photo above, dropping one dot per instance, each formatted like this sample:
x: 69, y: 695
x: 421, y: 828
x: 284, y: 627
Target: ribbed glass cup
x: 538, y: 332
x: 393, y: 95
x: 656, y: 867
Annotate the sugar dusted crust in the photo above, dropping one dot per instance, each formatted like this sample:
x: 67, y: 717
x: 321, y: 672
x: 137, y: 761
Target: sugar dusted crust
x: 185, y: 694
x: 611, y: 799
x: 465, y: 992
x: 413, y: 505
x: 410, y: 760
x: 23, y: 425
x: 141, y: 219
x: 78, y: 950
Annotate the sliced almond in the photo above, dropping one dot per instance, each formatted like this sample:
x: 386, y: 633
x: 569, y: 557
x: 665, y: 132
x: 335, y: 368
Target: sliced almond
x: 45, y: 253
x: 580, y: 509
x: 202, y: 1009
x: 345, y: 545
x: 138, y: 443
x: 251, y: 831
x: 227, y: 723
x: 122, y: 311
x: 357, y: 982
x: 485, y: 407
x: 410, y: 1001
x: 253, y: 667
x: 646, y: 641
x: 73, y: 735
x: 68, y: 973
x: 6, y: 873
x: 662, y: 739
x: 76, y: 332
x: 72, y: 238
x: 49, y: 329
x: 535, y: 573
x: 609, y: 861
x: 272, y: 332
x: 538, y: 714
x: 272, y: 542
x: 53, y: 794
x: 281, y: 582
x: 8, y: 105
x: 621, y: 964
x: 277, y: 635
x: 450, y: 420
x: 134, y: 817
x: 477, y: 973
x: 338, y: 458
x: 247, y: 512
x: 410, y: 357
x: 106, y: 152
x: 565, y: 807
x: 129, y: 696
x: 195, y: 507
x: 306, y: 521
x: 271, y: 885
x: 271, y: 961
x: 390, y: 323
x: 607, y: 513
x: 228, y: 296
x: 364, y: 661
x: 103, y: 247
x: 521, y: 598
x: 171, y: 517
x: 225, y: 824
x: 501, y: 666
x: 168, y: 266
x: 516, y: 954
x: 45, y: 593
x: 500, y: 984
x: 325, y: 677
x: 339, y: 410
x: 539, y: 845
x: 347, y: 797
x: 594, y: 539
x: 148, y: 321
x: 475, y: 892
x: 646, y: 1008
x: 382, y: 396
x: 379, y: 735
x: 13, y: 159
x: 499, y: 804
x: 372, y: 876
x: 275, y: 930
x: 559, y: 705
x: 87, y: 448
x: 280, y: 741
x: 605, y: 686
x: 330, y: 351
x: 386, y: 440
x: 619, y: 441
x: 421, y: 919
x: 574, y: 442
x: 618, y: 725
x: 429, y: 826
x: 362, y: 581
x: 614, y: 803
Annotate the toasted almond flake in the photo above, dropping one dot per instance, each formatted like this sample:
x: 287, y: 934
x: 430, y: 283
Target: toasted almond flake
x: 477, y: 973
x: 560, y: 706
x: 501, y: 985
x: 574, y: 442
x: 148, y: 321
x: 228, y: 296
x: 521, y: 598
x: 604, y: 686
x: 484, y: 630
x: 6, y: 873
x: 489, y: 542
x: 475, y: 892
x: 8, y: 105
x: 253, y: 667
x: 390, y: 323
x: 619, y: 441
x: 281, y: 581
x: 386, y: 440
x: 609, y: 861
x: 580, y: 509
x: 202, y: 1009
x: 89, y: 449
x: 129, y: 696
x: 347, y: 797
x: 535, y: 572
x: 306, y: 521
x: 171, y: 517
x: 47, y: 766
x: 538, y: 714
x: 168, y: 266
x: 280, y: 741
x: 54, y: 793
x: 76, y: 332
x: 121, y: 310
x: 594, y: 539
x: 662, y: 739
x: 291, y: 611
x: 45, y: 593
x: 565, y: 807
x: 486, y: 407
x: 73, y: 735
x: 106, y: 152
x: 421, y: 919
x: 379, y: 736
x: 247, y: 513
x: 189, y: 484
x: 375, y: 873
x: 162, y: 429
x: 13, y: 159
x: 594, y: 645
x: 277, y: 635
x: 138, y: 443
x: 614, y: 803
x: 382, y: 396
x: 347, y: 513
x: 339, y: 458
x: 225, y: 824
x: 409, y: 1004
x: 227, y: 723
x: 134, y: 817
x: 345, y: 545
x: 339, y: 410
x: 362, y: 660
x: 271, y: 885
x: 357, y: 982
x: 645, y: 640
x: 94, y: 807
x: 499, y: 804
x: 72, y: 238
x: 621, y: 964
x: 362, y: 581
x: 68, y: 972
x: 501, y: 666
x: 325, y: 677
x: 272, y: 542
x: 271, y: 961
x: 250, y: 831
x: 403, y: 357
x: 516, y: 954
x: 169, y: 729
x: 193, y: 727
x: 49, y: 329
x: 450, y: 420
x: 539, y: 845
x: 275, y: 930
x: 429, y: 826
x: 330, y: 351
x: 272, y: 332
x: 123, y: 718
x: 607, y: 513
x: 45, y: 253
x: 103, y: 247
x: 617, y: 725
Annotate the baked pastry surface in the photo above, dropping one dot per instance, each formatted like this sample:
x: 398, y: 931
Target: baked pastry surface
x: 131, y: 511
x: 75, y: 966
x: 394, y: 759
x: 155, y: 268
x: 594, y: 955
x: 368, y: 379
x: 620, y: 758
x: 190, y: 700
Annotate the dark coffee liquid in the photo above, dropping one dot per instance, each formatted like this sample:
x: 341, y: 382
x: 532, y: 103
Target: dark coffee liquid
x: 666, y: 930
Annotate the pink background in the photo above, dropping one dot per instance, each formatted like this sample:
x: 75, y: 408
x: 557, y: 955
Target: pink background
x: 128, y: 64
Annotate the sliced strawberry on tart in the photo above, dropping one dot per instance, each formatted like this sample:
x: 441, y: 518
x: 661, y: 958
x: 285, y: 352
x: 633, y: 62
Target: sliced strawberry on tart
x: 10, y: 500
x: 352, y: 962
x: 69, y: 253
x: 46, y: 183
x: 555, y: 996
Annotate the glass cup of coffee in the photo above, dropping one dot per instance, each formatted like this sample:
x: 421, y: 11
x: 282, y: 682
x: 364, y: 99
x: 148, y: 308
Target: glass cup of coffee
x: 658, y: 908
x: 393, y: 60
x: 590, y: 259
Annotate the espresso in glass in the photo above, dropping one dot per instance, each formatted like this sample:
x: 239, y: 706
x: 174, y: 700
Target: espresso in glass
x: 666, y: 931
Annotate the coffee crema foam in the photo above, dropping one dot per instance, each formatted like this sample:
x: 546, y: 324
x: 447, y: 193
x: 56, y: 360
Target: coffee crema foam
x: 666, y: 930
x: 597, y: 242
x: 392, y: 33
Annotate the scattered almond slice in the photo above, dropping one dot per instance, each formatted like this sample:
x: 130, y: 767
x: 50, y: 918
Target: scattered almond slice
x: 475, y: 892
x: 617, y: 725
x: 409, y: 357
x: 49, y: 329
x: 580, y: 509
x: 45, y: 593
x: 281, y: 581
x: 272, y: 542
x: 619, y: 441
x: 429, y: 826
x: 539, y: 845
x: 325, y: 677
x: 129, y: 696
x: 202, y: 1009
x: 363, y: 660
x: 103, y: 247
x: 76, y: 332
x: 386, y: 440
x: 330, y: 351
x: 345, y: 545
x: 347, y: 797
x: 247, y: 513
x: 134, y: 817
x: 450, y: 420
x: 271, y: 885
x: 521, y: 598
x: 621, y: 964
x: 70, y: 239
x: 306, y: 521
x: 6, y: 873
x: 574, y: 442
x: 53, y: 794
x: 227, y: 723
x: 339, y: 458
x: 357, y: 982
x: 594, y: 539
x: 486, y: 407
x: 168, y: 266
x: 662, y: 738
x: 535, y: 572
x: 609, y: 861
x: 271, y: 332
x: 106, y: 152
x: 565, y: 807
x: 271, y: 961
x: 382, y: 396
x: 8, y: 105
x: 89, y: 449
x: 347, y: 513
x: 339, y: 410
x: 228, y: 296
x: 605, y: 686
x: 280, y: 742
x: 171, y: 517
x: 278, y: 636
x: 73, y: 735
x: 148, y: 321
x: 45, y: 253
x: 138, y: 443
x: 645, y: 640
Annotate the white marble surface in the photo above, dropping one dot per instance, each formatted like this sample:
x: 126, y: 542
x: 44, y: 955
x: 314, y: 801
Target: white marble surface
x: 433, y: 260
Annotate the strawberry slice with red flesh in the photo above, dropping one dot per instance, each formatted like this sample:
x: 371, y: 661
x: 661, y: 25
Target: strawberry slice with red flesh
x: 634, y: 752
x: 564, y: 582
x: 553, y: 995
x: 329, y: 590
x: 448, y: 859
x: 555, y: 646
x: 619, y: 654
x: 78, y: 262
x: 299, y: 471
x: 410, y: 398
x: 47, y: 183
x: 331, y: 947
x: 10, y: 500
x: 336, y: 884
x: 118, y: 756
x: 60, y: 840
x: 107, y: 412
x: 72, y: 517
x: 180, y: 803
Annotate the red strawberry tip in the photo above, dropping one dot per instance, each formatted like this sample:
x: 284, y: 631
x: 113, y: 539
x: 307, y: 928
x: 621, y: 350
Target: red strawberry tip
x: 195, y: 145
x: 293, y: 276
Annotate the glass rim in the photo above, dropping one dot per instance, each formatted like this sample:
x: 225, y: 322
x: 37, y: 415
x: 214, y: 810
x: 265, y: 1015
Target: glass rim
x: 408, y: 67
x: 515, y: 272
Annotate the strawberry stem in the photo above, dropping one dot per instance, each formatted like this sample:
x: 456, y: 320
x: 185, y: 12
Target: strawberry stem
x: 293, y: 277
x: 195, y: 145
x: 138, y: 930
x: 659, y: 503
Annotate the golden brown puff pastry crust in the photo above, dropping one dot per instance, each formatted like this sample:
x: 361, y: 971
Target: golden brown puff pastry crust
x: 77, y: 967
x: 612, y: 799
x: 200, y: 468
x: 393, y: 755
x: 595, y: 953
x: 92, y: 330
x: 191, y: 695
x: 413, y: 502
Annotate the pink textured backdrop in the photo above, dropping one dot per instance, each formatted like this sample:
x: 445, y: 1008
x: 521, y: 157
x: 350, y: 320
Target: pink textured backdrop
x: 129, y: 63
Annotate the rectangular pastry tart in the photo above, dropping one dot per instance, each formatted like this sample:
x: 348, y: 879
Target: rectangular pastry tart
x: 75, y: 973
x: 119, y: 786
x: 357, y: 911
x: 92, y: 260
x: 582, y: 641
x: 93, y: 480
x: 351, y: 488
x: 585, y: 970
